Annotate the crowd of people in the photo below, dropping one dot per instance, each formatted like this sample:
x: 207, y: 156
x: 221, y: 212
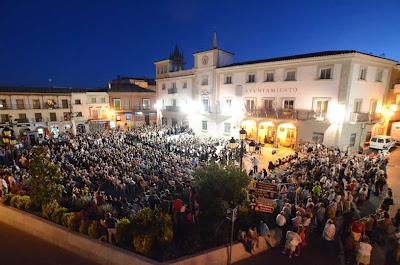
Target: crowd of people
x: 326, y: 201
x: 143, y: 167
x: 152, y: 167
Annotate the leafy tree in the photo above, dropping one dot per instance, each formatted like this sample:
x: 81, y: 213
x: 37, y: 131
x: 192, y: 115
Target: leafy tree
x: 152, y: 230
x: 45, y: 178
x: 217, y: 186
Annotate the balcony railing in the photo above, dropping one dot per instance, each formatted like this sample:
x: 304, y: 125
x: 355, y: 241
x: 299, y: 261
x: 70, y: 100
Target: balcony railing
x: 287, y: 114
x: 31, y: 106
x: 364, y: 117
x: 172, y: 90
x: 173, y: 108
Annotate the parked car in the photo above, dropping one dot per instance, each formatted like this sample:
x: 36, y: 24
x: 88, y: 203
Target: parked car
x: 381, y: 142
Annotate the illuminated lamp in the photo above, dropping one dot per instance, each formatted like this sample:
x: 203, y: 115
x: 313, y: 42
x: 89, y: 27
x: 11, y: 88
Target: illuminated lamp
x: 242, y: 134
x: 252, y: 146
x: 232, y: 144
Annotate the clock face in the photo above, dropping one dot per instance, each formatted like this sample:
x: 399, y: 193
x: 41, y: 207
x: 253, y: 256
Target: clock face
x: 204, y: 59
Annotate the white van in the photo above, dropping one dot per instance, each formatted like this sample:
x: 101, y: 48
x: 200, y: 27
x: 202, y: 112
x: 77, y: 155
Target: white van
x: 381, y: 142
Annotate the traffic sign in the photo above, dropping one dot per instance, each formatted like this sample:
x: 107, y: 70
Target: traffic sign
x: 283, y: 188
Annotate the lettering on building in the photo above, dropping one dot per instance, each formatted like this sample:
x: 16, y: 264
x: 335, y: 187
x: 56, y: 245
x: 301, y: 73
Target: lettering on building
x: 272, y: 90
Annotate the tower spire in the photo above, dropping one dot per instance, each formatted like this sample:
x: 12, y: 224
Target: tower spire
x: 215, y: 40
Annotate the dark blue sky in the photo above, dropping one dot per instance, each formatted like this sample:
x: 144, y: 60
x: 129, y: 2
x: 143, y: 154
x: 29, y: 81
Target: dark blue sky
x: 86, y: 43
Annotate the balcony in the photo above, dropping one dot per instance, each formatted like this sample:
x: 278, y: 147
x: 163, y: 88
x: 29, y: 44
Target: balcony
x: 172, y: 90
x: 173, y: 108
x: 31, y: 106
x: 22, y: 120
x: 287, y: 114
x: 364, y: 117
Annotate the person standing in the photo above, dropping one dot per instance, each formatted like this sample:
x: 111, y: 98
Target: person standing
x: 255, y: 164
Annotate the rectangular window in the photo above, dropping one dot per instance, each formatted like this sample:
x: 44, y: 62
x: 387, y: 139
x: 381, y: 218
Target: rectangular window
x: 79, y: 114
x: 3, y: 104
x: 173, y: 85
x: 326, y: 73
x: 228, y: 103
x: 363, y: 73
x: 268, y: 104
x: 78, y: 102
x: 269, y: 77
x: 22, y: 118
x: 163, y: 86
x: 20, y: 104
x: 372, y: 106
x: 38, y: 117
x: 103, y: 100
x: 118, y: 117
x: 251, y: 78
x: 184, y: 84
x: 321, y: 106
x: 64, y: 103
x: 5, y: 118
x: 117, y: 103
x: 67, y: 116
x: 174, y: 102
x: 93, y: 100
x: 53, y: 116
x: 136, y: 104
x: 146, y: 103
x: 95, y: 113
x: 36, y: 103
x: 127, y: 104
x: 128, y: 117
x: 228, y: 79
x: 288, y: 104
x: 204, y: 80
x: 204, y: 125
x: 250, y: 105
x: 51, y: 104
x: 357, y: 105
x: 227, y: 127
x: 379, y: 75
x: 290, y: 76
x: 205, y: 104
x: 353, y: 137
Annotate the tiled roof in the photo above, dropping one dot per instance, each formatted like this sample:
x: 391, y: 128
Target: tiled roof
x: 55, y: 90
x: 302, y: 56
x: 129, y: 88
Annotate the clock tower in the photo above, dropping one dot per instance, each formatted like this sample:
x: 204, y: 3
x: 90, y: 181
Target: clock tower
x: 212, y: 58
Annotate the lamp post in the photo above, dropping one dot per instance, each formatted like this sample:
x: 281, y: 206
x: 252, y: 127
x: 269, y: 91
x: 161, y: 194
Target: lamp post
x: 252, y: 147
x: 242, y: 135
x: 232, y: 145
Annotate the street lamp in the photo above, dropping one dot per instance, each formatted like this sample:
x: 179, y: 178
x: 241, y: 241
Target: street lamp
x: 232, y: 145
x: 252, y: 146
x: 242, y: 135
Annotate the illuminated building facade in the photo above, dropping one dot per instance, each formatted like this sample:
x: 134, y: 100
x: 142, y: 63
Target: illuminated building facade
x: 131, y: 102
x: 33, y: 112
x: 332, y: 97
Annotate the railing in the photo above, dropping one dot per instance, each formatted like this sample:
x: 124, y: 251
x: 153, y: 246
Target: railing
x: 173, y: 108
x: 30, y: 106
x: 287, y: 114
x: 172, y: 90
x: 364, y: 117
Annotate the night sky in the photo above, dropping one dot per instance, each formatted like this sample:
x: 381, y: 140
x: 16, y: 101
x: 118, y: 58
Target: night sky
x: 87, y: 43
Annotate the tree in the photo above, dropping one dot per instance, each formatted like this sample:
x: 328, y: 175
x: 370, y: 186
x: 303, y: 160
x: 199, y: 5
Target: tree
x: 152, y: 231
x: 217, y: 186
x: 45, y: 178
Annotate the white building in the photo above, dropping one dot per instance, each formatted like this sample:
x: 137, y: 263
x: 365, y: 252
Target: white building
x: 332, y: 97
x: 34, y: 112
